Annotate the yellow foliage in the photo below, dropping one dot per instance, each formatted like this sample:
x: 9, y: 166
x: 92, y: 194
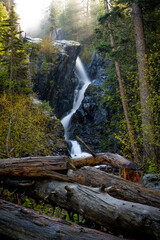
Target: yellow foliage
x: 23, y: 127
x: 48, y: 50
x: 3, y: 17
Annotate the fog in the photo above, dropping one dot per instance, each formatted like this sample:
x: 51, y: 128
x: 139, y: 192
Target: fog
x: 30, y: 13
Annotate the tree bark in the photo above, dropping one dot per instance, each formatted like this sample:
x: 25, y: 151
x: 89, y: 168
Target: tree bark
x: 21, y: 223
x: 35, y: 168
x: 116, y: 186
x: 145, y: 98
x: 122, y: 91
x: 112, y: 159
x: 33, y: 173
x: 51, y: 163
x: 118, y: 216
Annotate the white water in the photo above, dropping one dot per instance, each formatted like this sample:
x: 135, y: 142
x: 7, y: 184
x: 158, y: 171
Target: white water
x: 78, y: 97
x: 76, y: 150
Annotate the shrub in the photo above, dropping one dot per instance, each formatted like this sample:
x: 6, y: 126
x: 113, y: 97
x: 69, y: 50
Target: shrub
x: 23, y: 127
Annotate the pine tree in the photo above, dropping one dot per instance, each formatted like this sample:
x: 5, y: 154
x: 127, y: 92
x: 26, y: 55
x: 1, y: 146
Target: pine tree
x: 142, y: 98
x: 145, y: 96
x: 122, y: 89
x: 14, y: 58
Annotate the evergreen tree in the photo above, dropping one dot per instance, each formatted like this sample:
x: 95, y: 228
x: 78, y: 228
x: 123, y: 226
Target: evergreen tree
x: 122, y: 89
x: 14, y: 60
x: 145, y: 97
x: 70, y: 20
x: 7, y: 4
x: 123, y: 31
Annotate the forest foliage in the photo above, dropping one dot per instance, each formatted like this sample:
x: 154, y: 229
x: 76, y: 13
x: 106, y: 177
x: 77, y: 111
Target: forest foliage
x: 23, y: 127
x: 122, y: 29
x: 26, y: 128
x: 87, y: 22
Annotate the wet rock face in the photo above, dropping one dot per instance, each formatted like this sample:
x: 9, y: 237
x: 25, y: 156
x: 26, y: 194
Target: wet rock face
x: 96, y: 67
x: 152, y: 181
x: 65, y: 80
x: 90, y: 119
x: 58, y: 145
x: 56, y: 83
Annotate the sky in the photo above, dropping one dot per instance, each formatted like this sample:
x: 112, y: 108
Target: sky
x: 30, y: 12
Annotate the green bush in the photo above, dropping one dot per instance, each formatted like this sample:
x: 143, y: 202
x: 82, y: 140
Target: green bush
x: 23, y: 127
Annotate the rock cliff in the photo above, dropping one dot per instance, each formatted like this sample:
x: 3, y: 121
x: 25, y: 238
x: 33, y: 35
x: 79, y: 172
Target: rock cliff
x: 56, y: 83
x: 90, y: 119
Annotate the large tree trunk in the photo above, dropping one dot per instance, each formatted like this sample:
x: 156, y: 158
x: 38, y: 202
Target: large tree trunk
x: 116, y: 186
x: 118, y: 216
x: 145, y: 98
x: 122, y: 91
x: 21, y: 223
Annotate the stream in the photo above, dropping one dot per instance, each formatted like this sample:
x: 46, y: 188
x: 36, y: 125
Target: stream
x: 83, y: 83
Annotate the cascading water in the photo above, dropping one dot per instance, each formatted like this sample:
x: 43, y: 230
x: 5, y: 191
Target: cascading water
x: 78, y: 97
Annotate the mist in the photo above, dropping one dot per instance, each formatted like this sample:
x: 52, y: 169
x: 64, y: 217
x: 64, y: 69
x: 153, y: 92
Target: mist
x: 30, y: 13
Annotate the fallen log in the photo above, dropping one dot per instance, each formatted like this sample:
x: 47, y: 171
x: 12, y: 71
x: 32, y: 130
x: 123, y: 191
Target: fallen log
x: 35, y: 167
x: 114, y: 160
x: 53, y: 162
x: 21, y: 223
x: 126, y: 172
x: 118, y: 216
x: 33, y: 173
x: 116, y: 186
x: 61, y: 162
x: 44, y: 167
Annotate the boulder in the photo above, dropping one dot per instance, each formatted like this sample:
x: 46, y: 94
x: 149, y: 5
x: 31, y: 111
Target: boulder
x: 152, y: 181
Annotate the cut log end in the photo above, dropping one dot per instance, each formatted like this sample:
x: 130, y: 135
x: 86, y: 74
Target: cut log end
x: 132, y: 175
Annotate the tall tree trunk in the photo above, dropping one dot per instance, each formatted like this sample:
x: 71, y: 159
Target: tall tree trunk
x: 8, y: 6
x: 145, y: 98
x: 122, y: 91
x: 11, y: 43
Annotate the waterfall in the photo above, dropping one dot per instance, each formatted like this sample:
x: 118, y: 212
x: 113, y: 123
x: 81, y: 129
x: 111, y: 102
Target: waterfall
x: 78, y: 97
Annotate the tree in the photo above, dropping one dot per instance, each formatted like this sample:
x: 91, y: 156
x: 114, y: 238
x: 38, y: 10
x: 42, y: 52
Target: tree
x: 4, y: 75
x: 14, y: 60
x: 25, y: 128
x: 122, y: 90
x: 123, y: 30
x: 145, y: 96
x: 70, y: 20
